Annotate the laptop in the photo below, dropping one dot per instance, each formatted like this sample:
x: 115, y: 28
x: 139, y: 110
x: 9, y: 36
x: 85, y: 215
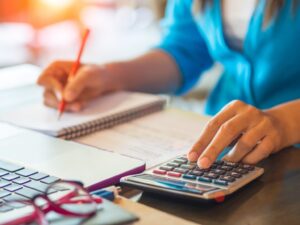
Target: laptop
x: 30, y: 162
x: 65, y: 159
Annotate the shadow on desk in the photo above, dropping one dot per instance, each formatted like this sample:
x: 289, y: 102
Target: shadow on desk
x: 272, y: 199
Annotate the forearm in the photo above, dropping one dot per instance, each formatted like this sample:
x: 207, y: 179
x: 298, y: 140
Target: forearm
x: 154, y: 72
x: 288, y: 115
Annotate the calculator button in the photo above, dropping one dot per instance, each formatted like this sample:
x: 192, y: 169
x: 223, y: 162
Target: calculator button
x: 181, y: 170
x: 231, y: 164
x: 181, y: 161
x: 234, y: 174
x: 240, y: 171
x: 204, y: 179
x: 201, y: 170
x: 174, y: 174
x: 227, y: 168
x: 189, y: 177
x: 227, y: 178
x: 219, y: 172
x: 211, y: 175
x: 159, y: 172
x: 189, y: 167
x: 221, y: 182
x: 218, y: 163
x: 173, y: 164
x: 196, y: 173
x: 183, y: 157
x: 166, y: 168
x: 213, y: 167
x: 247, y: 167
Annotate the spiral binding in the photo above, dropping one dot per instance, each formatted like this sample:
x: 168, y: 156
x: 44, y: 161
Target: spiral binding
x: 110, y: 121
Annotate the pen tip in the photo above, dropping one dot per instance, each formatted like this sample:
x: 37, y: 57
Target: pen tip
x: 59, y: 116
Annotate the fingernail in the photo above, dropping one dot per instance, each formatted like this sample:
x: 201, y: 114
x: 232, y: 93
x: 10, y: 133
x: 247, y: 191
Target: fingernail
x: 193, y: 156
x: 58, y: 94
x: 204, y: 162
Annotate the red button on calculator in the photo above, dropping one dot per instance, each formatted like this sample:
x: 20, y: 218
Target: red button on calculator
x: 173, y: 174
x: 160, y: 172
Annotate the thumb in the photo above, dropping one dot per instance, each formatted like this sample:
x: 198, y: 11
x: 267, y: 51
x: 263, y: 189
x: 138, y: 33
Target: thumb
x: 75, y: 86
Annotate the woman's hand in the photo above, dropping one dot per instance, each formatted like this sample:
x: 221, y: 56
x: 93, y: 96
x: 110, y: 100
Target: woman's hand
x: 257, y: 134
x: 89, y: 82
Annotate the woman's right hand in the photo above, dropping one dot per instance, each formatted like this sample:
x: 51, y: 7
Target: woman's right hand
x: 89, y: 82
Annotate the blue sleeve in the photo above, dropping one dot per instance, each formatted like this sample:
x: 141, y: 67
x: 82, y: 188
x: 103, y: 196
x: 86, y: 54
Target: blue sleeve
x: 183, y: 42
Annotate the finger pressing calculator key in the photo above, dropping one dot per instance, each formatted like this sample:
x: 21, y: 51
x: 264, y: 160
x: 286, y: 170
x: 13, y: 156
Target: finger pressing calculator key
x: 182, y: 178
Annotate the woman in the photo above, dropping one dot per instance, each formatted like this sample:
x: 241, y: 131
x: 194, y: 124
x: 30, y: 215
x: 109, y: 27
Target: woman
x: 254, y: 102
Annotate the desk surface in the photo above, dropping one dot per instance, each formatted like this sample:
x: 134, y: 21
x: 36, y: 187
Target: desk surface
x: 272, y: 199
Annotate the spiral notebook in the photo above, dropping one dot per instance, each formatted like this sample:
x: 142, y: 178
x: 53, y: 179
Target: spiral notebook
x: 107, y: 111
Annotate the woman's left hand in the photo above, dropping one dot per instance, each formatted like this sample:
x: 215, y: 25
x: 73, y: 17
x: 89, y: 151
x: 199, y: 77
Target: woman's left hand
x: 257, y: 134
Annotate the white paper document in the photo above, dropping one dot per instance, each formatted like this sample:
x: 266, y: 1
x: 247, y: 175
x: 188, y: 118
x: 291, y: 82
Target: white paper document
x: 153, y: 139
x: 18, y: 76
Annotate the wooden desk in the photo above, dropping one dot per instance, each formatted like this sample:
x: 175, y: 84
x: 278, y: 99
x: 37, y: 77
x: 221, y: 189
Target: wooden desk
x: 149, y: 215
x: 272, y: 199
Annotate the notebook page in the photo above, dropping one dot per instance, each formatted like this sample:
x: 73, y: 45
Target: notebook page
x: 153, y: 139
x: 36, y: 116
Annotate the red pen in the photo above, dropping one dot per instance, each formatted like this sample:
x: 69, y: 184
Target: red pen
x: 62, y: 104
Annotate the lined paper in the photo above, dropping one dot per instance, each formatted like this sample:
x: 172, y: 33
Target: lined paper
x: 153, y: 139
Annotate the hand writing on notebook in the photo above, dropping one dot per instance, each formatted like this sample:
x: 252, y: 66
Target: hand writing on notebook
x: 90, y: 81
x: 257, y: 134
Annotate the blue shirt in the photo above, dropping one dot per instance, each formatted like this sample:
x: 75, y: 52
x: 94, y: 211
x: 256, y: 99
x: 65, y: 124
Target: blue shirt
x: 267, y: 71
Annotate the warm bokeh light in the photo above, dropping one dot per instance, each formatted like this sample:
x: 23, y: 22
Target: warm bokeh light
x: 57, y: 3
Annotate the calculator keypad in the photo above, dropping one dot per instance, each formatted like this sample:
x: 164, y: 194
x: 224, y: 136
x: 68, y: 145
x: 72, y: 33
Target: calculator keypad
x: 220, y: 173
x: 181, y: 178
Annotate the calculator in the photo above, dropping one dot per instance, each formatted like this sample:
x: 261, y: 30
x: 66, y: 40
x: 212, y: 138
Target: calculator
x: 181, y: 178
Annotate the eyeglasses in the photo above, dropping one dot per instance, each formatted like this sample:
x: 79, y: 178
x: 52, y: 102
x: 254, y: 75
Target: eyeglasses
x: 67, y: 198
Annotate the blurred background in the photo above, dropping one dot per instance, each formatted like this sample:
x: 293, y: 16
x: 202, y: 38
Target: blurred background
x: 40, y: 31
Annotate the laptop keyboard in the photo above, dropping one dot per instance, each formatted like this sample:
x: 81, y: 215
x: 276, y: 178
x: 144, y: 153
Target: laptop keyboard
x: 18, y: 183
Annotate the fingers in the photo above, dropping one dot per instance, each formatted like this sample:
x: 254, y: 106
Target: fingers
x: 261, y: 151
x: 52, y: 101
x: 54, y: 77
x: 75, y: 90
x: 210, y: 131
x: 76, y: 85
x: 246, y: 143
x: 229, y: 131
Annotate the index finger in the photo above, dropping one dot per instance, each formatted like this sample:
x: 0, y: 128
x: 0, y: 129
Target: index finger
x: 210, y: 131
x: 58, y: 70
x: 228, y: 132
